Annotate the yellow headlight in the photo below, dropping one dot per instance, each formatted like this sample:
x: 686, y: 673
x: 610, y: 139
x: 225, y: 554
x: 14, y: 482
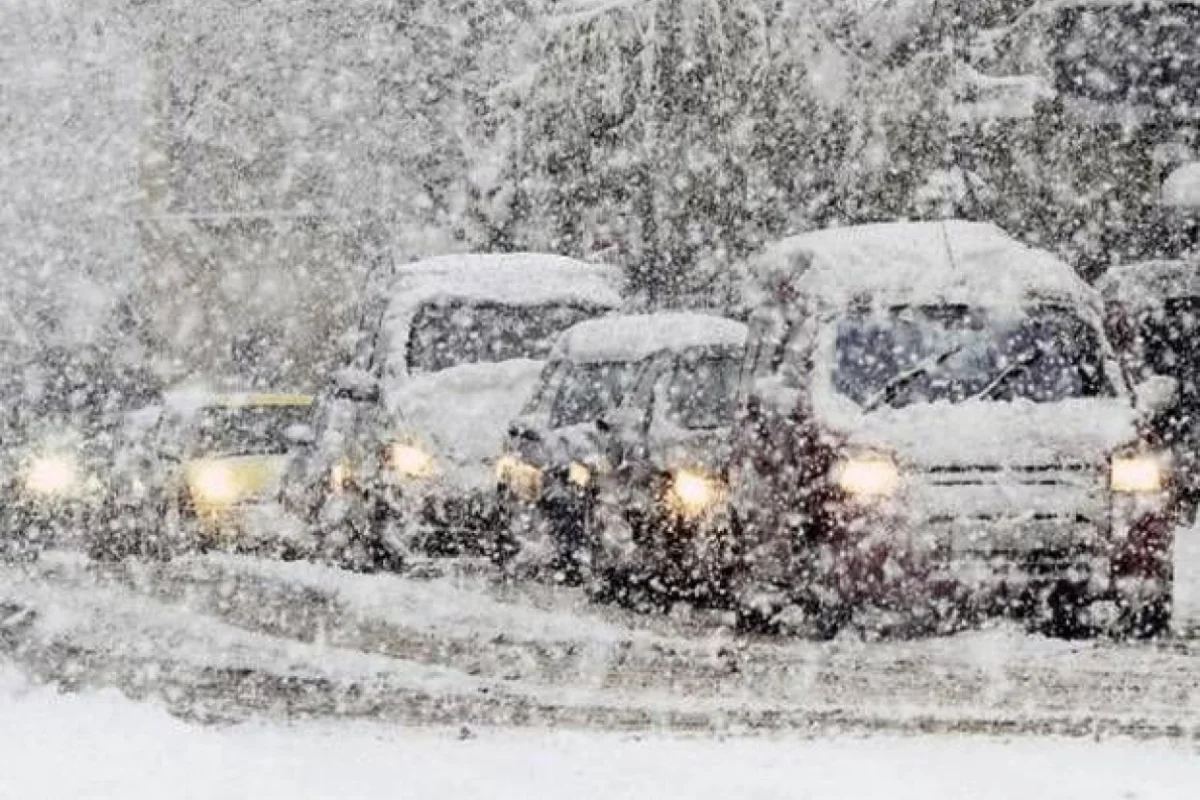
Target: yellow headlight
x: 693, y: 492
x: 52, y: 475
x: 411, y: 461
x: 579, y: 474
x: 1137, y: 474
x: 868, y: 476
x: 523, y: 480
x: 214, y: 485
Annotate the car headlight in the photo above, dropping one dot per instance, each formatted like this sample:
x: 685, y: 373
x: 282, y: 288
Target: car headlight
x: 214, y: 485
x: 868, y: 476
x: 1137, y: 474
x: 579, y: 474
x: 693, y: 492
x: 339, y: 477
x: 411, y: 460
x: 522, y: 479
x: 52, y: 474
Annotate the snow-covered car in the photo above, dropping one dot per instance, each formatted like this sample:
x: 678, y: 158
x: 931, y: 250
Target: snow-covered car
x: 553, y: 455
x: 935, y: 425
x: 1153, y: 319
x: 660, y: 529
x: 64, y: 416
x: 212, y: 463
x: 454, y: 354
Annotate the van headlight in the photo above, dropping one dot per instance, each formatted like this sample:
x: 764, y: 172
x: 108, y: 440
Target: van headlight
x: 52, y: 474
x: 579, y: 474
x: 868, y: 476
x: 411, y: 460
x: 693, y: 492
x: 1137, y: 474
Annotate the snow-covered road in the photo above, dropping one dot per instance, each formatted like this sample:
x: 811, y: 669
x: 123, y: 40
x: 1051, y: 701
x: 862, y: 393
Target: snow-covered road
x: 101, y: 745
x: 222, y: 637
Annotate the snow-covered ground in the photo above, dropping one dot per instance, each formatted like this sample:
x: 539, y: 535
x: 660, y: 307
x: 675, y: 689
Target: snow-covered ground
x: 101, y: 745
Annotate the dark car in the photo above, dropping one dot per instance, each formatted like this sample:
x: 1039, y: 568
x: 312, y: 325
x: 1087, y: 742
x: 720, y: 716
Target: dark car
x: 660, y: 530
x: 554, y: 458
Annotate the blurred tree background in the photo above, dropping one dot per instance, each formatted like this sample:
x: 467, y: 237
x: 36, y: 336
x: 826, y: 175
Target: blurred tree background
x: 232, y: 170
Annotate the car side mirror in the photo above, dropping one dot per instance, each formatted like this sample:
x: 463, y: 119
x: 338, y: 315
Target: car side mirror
x: 356, y: 385
x: 1156, y: 395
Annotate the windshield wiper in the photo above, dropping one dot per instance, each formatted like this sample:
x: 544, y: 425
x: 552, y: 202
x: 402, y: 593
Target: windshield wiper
x: 898, y: 382
x: 1021, y: 362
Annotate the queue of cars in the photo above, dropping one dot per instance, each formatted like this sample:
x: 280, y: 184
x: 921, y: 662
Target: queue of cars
x: 926, y: 420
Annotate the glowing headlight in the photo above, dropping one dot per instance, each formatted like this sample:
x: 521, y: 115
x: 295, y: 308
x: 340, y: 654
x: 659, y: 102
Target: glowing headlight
x: 523, y: 480
x: 52, y: 474
x: 214, y: 485
x: 1137, y: 474
x: 411, y: 461
x: 693, y: 492
x: 868, y: 476
x: 579, y: 474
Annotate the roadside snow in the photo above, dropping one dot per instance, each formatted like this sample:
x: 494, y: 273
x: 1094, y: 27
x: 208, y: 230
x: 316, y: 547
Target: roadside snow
x: 100, y: 745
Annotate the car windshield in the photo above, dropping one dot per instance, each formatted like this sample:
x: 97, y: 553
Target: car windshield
x: 247, y: 430
x: 703, y: 390
x: 1138, y: 53
x: 588, y: 391
x: 449, y: 333
x: 928, y: 354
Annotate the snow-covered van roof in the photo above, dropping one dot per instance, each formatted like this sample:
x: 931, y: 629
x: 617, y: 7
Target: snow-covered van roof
x: 916, y: 263
x: 631, y: 337
x: 511, y: 278
x: 1149, y: 283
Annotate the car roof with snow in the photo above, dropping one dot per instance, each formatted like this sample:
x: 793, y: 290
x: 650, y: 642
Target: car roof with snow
x: 1149, y: 283
x: 508, y: 278
x: 632, y: 337
x: 918, y: 263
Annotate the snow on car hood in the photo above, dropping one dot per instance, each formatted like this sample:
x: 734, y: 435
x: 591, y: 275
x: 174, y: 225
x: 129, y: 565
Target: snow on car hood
x: 462, y: 413
x: 990, y: 433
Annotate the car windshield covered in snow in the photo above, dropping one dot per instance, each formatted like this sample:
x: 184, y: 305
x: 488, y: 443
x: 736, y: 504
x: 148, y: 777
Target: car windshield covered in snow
x: 590, y: 390
x: 1141, y: 53
x: 448, y: 334
x: 926, y: 354
x: 247, y: 430
x: 703, y: 391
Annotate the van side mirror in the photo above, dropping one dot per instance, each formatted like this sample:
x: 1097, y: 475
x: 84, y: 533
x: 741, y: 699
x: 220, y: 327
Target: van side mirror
x: 1156, y: 395
x: 356, y: 385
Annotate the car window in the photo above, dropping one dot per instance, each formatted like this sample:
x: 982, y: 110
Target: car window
x: 928, y: 354
x: 449, y: 333
x: 702, y: 391
x: 588, y: 391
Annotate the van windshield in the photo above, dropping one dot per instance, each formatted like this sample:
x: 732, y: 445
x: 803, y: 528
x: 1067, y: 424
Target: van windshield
x: 926, y: 354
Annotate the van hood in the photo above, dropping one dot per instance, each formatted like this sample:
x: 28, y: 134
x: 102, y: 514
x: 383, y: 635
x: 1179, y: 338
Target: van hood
x: 994, y: 434
x: 462, y: 414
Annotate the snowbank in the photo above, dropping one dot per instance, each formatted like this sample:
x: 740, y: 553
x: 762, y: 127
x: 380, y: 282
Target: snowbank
x: 101, y: 745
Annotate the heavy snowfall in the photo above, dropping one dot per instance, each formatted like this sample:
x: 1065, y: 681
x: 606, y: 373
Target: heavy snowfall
x: 606, y: 398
